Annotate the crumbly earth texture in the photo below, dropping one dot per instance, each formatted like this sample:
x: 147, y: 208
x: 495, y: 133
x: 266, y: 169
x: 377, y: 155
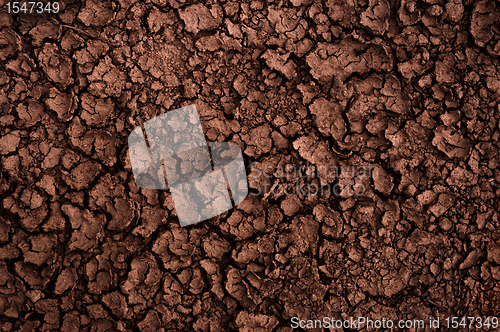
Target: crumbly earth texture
x: 409, y: 88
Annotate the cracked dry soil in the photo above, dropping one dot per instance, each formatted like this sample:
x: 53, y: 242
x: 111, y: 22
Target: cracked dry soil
x: 410, y: 87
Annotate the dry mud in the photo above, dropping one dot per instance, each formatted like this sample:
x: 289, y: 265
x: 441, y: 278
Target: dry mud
x: 408, y: 87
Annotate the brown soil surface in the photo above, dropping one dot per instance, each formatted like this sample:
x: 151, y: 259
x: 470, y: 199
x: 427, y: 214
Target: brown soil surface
x: 410, y: 88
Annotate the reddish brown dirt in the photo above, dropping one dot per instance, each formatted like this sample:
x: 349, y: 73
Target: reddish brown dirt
x: 410, y: 87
